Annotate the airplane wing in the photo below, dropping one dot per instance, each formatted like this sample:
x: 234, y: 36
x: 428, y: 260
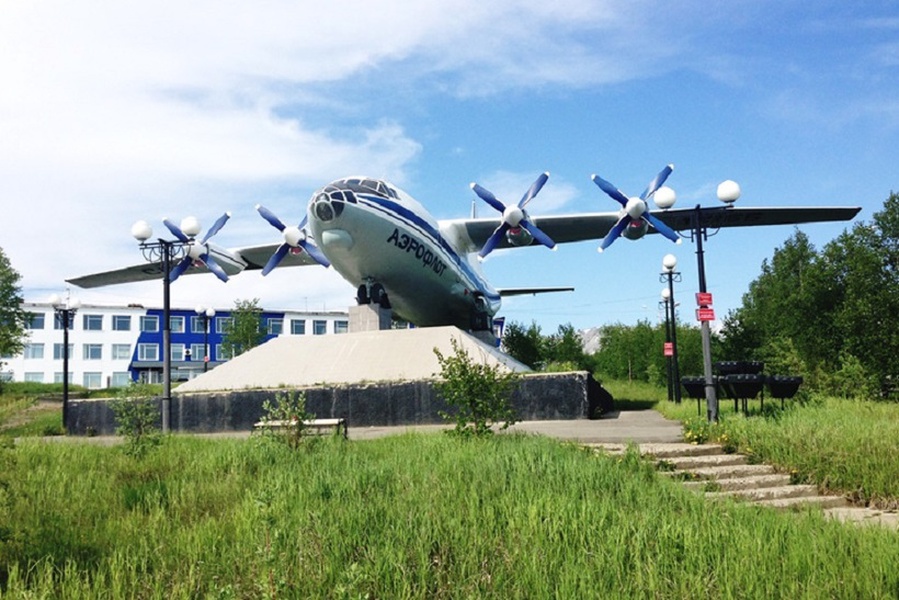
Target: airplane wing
x: 473, y: 233
x: 232, y: 261
x: 532, y: 291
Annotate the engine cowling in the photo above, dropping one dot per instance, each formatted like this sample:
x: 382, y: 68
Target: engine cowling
x: 635, y: 229
x: 519, y: 236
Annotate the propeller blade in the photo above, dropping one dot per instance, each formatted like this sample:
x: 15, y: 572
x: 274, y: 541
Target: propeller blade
x: 176, y: 231
x: 657, y: 182
x: 488, y: 197
x: 662, y: 228
x: 214, y: 267
x: 538, y: 234
x: 315, y: 253
x: 610, y: 189
x: 535, y: 189
x: 615, y: 232
x: 276, y: 258
x: 216, y: 227
x: 494, y: 239
x: 271, y: 218
x: 179, y: 269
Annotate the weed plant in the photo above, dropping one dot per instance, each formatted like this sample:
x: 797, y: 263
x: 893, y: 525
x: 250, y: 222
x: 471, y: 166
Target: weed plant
x: 411, y: 516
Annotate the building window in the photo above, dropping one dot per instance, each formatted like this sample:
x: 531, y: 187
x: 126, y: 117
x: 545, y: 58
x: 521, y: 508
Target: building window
x: 223, y: 324
x: 92, y: 322
x: 275, y: 326
x: 121, y: 322
x: 35, y: 321
x: 149, y: 323
x: 197, y: 351
x: 222, y: 352
x: 196, y: 324
x: 341, y: 326
x: 177, y: 324
x: 298, y: 326
x: 121, y: 379
x: 57, y: 376
x: 319, y: 327
x: 34, y: 377
x: 33, y: 351
x: 177, y: 352
x: 93, y: 381
x: 148, y: 352
x: 58, y: 351
x: 121, y: 351
x: 92, y: 351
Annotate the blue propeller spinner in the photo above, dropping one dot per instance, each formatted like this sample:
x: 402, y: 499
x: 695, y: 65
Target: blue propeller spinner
x: 294, y: 241
x: 514, y: 216
x: 635, y: 211
x: 197, y: 251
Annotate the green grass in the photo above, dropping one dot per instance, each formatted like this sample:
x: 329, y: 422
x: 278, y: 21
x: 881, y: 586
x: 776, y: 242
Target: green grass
x: 411, y: 516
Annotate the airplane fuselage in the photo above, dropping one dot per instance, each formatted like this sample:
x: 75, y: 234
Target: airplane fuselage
x: 374, y: 233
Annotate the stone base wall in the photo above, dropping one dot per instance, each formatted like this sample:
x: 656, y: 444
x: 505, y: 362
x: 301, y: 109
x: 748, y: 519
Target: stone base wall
x: 542, y: 396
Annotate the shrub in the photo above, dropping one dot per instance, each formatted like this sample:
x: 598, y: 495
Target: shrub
x: 480, y: 393
x: 137, y: 414
x: 289, y: 408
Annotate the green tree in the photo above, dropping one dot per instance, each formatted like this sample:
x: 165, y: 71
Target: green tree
x: 566, y: 348
x: 13, y: 318
x: 524, y: 345
x: 245, y: 331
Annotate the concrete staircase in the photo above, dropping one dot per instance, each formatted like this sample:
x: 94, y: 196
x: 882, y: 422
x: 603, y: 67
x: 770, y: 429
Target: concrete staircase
x: 707, y: 469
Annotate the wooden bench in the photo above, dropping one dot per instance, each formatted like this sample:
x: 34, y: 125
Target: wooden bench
x: 319, y: 426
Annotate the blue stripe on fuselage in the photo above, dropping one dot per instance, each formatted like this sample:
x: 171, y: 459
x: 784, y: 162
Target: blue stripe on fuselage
x: 410, y: 218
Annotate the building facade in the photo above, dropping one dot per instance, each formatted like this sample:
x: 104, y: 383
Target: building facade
x: 111, y: 346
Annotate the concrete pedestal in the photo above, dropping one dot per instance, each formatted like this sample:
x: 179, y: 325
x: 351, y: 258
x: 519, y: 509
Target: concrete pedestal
x: 369, y: 317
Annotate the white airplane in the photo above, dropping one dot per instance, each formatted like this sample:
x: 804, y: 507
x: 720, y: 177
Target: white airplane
x: 384, y: 243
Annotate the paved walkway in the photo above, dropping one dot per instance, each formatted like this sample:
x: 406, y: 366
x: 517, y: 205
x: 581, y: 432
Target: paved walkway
x: 638, y: 426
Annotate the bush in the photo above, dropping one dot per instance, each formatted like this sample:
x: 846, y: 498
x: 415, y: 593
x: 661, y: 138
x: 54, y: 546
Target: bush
x: 288, y: 408
x: 137, y: 414
x: 480, y: 393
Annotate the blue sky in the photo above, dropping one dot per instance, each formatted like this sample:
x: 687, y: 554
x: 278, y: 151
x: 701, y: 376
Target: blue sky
x: 110, y: 113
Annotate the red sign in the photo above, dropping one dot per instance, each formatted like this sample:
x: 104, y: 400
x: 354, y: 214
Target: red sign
x: 705, y: 314
x: 704, y: 299
x: 669, y: 349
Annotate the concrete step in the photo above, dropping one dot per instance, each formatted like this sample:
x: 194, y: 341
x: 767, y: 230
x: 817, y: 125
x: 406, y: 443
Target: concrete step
x: 865, y: 516
x: 658, y: 450
x: 742, y: 483
x: 723, y: 472
x: 767, y: 493
x: 803, y: 501
x: 691, y: 463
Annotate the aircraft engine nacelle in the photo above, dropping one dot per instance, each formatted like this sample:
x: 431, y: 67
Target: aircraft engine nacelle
x: 519, y: 236
x: 636, y: 229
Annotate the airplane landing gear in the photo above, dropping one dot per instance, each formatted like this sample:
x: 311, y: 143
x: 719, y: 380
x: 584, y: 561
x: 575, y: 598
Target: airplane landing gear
x: 370, y: 292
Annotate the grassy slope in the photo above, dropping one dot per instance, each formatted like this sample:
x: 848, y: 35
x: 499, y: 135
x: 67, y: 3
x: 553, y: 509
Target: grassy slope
x: 410, y: 516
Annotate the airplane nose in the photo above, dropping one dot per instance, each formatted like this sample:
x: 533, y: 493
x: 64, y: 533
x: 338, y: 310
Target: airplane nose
x: 328, y: 204
x: 336, y: 238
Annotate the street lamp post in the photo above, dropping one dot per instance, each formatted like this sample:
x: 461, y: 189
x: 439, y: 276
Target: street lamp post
x: 206, y: 314
x: 728, y: 192
x: 670, y: 276
x: 669, y: 375
x: 65, y: 312
x: 164, y: 253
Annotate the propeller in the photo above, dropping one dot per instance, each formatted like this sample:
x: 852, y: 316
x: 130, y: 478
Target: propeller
x: 294, y: 241
x: 635, y: 209
x: 514, y: 216
x: 197, y: 252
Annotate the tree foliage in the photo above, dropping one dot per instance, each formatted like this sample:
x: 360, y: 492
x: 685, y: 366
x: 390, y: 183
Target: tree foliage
x: 829, y: 314
x: 12, y: 316
x: 562, y: 350
x: 246, y: 331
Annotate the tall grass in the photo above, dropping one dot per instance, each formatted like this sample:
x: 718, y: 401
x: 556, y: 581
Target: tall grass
x: 411, y: 516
